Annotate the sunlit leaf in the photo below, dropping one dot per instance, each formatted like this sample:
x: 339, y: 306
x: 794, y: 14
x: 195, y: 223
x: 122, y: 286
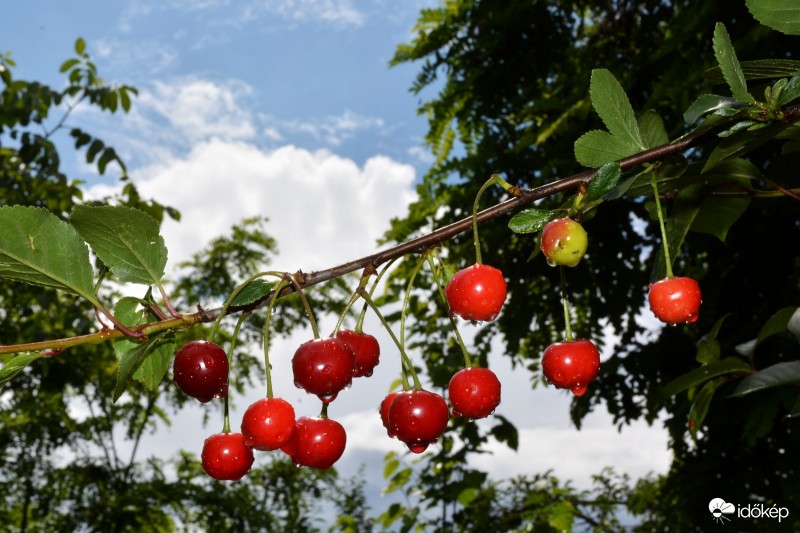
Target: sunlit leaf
x: 651, y: 127
x: 37, y: 247
x: 530, y: 220
x: 612, y: 105
x: 729, y: 64
x: 781, y: 15
x: 706, y: 104
x: 17, y: 365
x: 130, y: 361
x: 596, y: 148
x: 127, y: 240
x: 252, y: 292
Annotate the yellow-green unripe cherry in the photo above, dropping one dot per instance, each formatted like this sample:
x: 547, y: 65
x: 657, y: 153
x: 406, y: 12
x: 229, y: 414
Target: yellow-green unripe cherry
x: 564, y: 242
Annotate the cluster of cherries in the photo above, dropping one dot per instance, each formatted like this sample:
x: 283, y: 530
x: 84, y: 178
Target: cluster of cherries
x: 417, y: 417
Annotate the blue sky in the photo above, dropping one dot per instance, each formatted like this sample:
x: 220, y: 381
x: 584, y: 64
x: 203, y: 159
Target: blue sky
x: 288, y: 108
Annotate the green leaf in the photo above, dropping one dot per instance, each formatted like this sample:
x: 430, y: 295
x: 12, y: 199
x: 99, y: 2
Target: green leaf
x: 700, y: 405
x: 254, y: 291
x: 729, y: 64
x: 561, y: 516
x: 708, y: 347
x: 131, y: 360
x: 773, y: 376
x: 125, y: 239
x: 706, y: 104
x: 729, y: 365
x: 467, y: 496
x: 390, y: 467
x: 80, y: 46
x: 741, y: 143
x: 530, y: 220
x: 757, y: 70
x: 37, y: 247
x: 398, y: 481
x: 68, y: 64
x: 152, y: 369
x: 791, y: 92
x: 777, y: 323
x: 652, y: 129
x: 596, y: 148
x: 605, y: 180
x: 506, y: 432
x: 780, y: 15
x: 17, y: 365
x: 718, y: 213
x: 611, y: 103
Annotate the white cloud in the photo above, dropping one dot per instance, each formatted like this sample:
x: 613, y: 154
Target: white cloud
x: 331, y: 129
x: 198, y: 109
x: 323, y: 208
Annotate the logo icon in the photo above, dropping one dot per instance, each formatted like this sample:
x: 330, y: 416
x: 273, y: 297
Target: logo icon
x: 719, y: 508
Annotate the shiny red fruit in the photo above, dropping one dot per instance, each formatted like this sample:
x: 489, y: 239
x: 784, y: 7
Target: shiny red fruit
x: 366, y: 349
x: 477, y: 292
x: 675, y: 300
x: 386, y: 404
x: 418, y: 418
x: 226, y: 457
x: 571, y: 365
x: 317, y: 442
x: 268, y: 424
x: 474, y: 392
x: 200, y: 369
x: 323, y: 367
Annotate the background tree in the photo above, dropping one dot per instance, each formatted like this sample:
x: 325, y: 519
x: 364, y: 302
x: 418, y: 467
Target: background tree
x: 512, y: 98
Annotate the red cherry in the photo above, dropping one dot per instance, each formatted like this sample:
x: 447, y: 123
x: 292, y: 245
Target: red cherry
x: 386, y: 404
x: 268, y: 423
x: 474, y: 392
x: 563, y: 242
x: 323, y: 367
x: 477, y: 292
x: 675, y: 300
x: 200, y: 369
x: 418, y: 418
x: 226, y: 457
x: 365, y: 348
x: 317, y: 442
x: 571, y: 364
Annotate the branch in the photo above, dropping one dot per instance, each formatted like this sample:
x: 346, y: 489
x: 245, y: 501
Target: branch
x: 522, y: 198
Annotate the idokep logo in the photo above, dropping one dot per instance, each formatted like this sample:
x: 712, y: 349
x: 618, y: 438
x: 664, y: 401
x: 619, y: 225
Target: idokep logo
x: 719, y: 508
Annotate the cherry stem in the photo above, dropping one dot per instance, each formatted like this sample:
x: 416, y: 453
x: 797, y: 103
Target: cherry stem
x: 267, y: 366
x: 363, y: 315
x: 226, y: 423
x: 664, y: 241
x: 406, y: 364
x: 407, y: 297
x: 299, y: 290
x: 564, y: 300
x: 438, y: 280
x: 494, y: 179
x: 361, y: 284
x: 224, y: 310
x: 323, y: 412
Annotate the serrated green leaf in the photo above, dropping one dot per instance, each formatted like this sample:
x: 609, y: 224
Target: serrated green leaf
x: 728, y: 365
x: 130, y: 361
x: 252, y: 292
x: 125, y: 239
x: 718, y: 213
x: 773, y: 376
x: 530, y: 220
x: 605, y: 180
x: 729, y: 64
x: 37, y: 247
x: 780, y: 15
x: 612, y: 105
x: 651, y: 126
x: 596, y: 148
x: 17, y: 365
x: 706, y: 104
x: 700, y: 405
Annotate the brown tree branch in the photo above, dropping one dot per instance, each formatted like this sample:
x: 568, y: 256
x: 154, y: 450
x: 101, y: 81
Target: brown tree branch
x: 522, y: 198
